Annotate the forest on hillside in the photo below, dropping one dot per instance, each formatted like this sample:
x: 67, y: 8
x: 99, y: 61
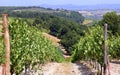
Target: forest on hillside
x: 64, y: 24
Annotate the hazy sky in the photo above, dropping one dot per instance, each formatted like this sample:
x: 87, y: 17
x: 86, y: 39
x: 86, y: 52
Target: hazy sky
x: 55, y: 2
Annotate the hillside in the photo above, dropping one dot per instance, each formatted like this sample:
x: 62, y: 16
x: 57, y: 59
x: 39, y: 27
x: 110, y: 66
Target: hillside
x: 54, y: 39
x: 33, y: 12
x: 97, y: 14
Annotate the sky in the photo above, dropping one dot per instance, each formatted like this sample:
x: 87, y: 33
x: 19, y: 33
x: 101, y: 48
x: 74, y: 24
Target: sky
x: 55, y: 2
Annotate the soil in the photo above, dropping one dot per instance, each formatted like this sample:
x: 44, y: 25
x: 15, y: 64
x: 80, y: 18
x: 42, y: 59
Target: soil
x: 65, y: 69
x: 74, y: 69
x: 115, y: 67
x: 54, y: 40
x: 71, y: 69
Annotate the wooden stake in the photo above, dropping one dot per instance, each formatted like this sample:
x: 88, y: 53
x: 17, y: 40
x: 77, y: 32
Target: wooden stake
x: 105, y: 50
x: 7, y: 43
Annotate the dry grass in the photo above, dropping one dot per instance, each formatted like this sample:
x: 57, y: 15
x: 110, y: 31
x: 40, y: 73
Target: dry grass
x: 55, y: 42
x: 87, y: 22
x: 54, y: 39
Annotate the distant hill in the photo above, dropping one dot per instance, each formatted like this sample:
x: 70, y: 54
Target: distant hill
x: 84, y: 7
x: 37, y: 11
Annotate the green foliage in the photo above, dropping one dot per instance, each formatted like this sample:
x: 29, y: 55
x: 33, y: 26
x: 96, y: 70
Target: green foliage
x: 114, y: 47
x: 70, y: 15
x: 60, y: 23
x: 68, y: 32
x: 61, y: 28
x: 33, y: 12
x: 113, y: 21
x: 69, y: 39
x: 90, y: 46
x: 2, y: 51
x: 28, y: 47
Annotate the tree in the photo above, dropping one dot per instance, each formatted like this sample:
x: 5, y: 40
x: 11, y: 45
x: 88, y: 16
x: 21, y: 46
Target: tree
x: 113, y: 21
x: 61, y: 26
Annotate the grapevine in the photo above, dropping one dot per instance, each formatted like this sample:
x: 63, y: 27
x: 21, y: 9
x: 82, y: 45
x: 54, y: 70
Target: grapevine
x: 28, y: 47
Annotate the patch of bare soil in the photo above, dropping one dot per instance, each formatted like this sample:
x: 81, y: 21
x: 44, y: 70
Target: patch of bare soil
x: 54, y: 39
x: 65, y: 69
x: 115, y: 68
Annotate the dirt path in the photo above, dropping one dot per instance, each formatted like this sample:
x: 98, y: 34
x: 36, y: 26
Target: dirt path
x: 70, y: 69
x: 74, y: 69
x: 65, y: 69
x: 115, y: 68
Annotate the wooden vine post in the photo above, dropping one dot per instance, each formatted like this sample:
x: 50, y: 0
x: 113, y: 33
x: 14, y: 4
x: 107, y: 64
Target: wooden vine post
x: 7, y: 44
x: 105, y: 50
